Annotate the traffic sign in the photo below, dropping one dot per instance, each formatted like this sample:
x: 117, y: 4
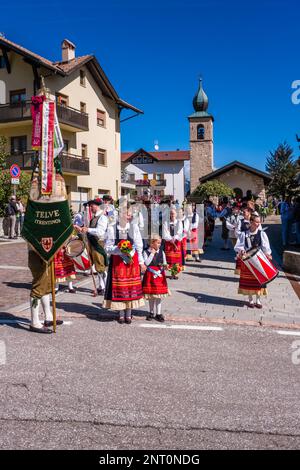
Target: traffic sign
x: 15, y: 171
x: 15, y: 181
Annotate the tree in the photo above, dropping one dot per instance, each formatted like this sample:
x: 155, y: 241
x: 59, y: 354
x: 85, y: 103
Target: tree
x: 283, y: 170
x: 212, y: 188
x: 5, y: 180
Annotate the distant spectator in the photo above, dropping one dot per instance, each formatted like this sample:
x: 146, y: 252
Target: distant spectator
x: 19, y: 216
x: 286, y: 213
x: 11, y: 213
x: 297, y: 218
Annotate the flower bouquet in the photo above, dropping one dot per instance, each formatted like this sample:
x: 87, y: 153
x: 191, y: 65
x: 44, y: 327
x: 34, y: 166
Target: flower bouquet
x: 125, y: 248
x: 175, y: 269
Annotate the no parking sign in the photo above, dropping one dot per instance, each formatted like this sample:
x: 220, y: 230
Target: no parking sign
x: 15, y: 171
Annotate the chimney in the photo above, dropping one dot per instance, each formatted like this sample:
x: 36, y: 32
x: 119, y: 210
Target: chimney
x: 68, y: 50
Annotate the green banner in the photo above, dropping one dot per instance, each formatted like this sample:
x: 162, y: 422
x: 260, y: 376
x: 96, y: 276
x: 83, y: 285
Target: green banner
x: 47, y: 226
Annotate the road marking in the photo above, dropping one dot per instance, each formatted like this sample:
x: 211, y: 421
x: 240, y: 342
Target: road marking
x: 288, y: 333
x: 182, y: 327
x: 27, y: 322
x: 6, y: 266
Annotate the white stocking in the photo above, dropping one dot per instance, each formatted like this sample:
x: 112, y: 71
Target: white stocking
x: 258, y: 299
x: 151, y: 305
x: 158, y: 306
x: 70, y: 285
x: 101, y: 282
x: 45, y: 300
x: 35, y: 319
x: 251, y: 299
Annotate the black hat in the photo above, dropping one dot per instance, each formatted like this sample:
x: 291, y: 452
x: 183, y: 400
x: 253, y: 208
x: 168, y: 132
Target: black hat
x: 98, y: 201
x: 107, y: 197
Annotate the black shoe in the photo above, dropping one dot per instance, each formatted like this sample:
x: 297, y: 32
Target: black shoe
x: 160, y: 318
x: 48, y: 323
x: 42, y: 330
x: 121, y: 320
x: 72, y: 291
x: 128, y: 321
x: 150, y: 317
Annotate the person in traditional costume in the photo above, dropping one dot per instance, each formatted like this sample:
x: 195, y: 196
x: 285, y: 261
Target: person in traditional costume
x: 186, y: 227
x: 96, y: 239
x: 211, y: 215
x: 232, y: 223
x: 223, y: 215
x: 64, y: 270
x: 40, y: 294
x: 254, y: 237
x: 243, y: 226
x: 124, y: 286
x: 155, y: 287
x: 172, y: 234
x: 193, y: 239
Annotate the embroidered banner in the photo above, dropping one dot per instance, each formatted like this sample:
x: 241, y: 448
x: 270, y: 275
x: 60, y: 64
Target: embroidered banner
x: 47, y: 152
x: 36, y: 113
x: 47, y: 226
x: 58, y: 140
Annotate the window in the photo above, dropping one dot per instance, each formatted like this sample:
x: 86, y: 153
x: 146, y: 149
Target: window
x: 2, y: 62
x: 159, y: 176
x: 200, y: 132
x: 82, y: 107
x: 101, y: 118
x: 101, y: 192
x: 66, y: 146
x: 17, y: 96
x: 101, y: 157
x: 84, y: 150
x: 82, y: 77
x: 63, y: 100
x: 18, y: 144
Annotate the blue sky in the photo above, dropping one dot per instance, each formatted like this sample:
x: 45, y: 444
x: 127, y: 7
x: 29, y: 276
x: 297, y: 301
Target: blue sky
x: 153, y: 52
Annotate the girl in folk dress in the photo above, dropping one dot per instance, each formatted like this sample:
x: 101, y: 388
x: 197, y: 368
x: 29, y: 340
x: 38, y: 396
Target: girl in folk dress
x: 254, y: 237
x: 172, y: 236
x: 124, y: 287
x: 155, y: 287
x: 64, y: 270
x: 193, y: 236
x: 243, y: 226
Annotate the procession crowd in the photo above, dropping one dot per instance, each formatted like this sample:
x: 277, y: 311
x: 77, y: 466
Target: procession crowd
x: 131, y: 251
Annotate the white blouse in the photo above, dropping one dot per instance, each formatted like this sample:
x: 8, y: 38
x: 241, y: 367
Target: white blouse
x: 244, y: 243
x: 178, y: 231
x: 148, y: 258
x: 113, y: 249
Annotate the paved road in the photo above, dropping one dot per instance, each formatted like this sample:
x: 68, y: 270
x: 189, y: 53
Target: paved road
x: 102, y: 385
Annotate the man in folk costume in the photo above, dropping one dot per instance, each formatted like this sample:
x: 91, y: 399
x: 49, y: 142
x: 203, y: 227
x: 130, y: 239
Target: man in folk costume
x: 96, y: 237
x: 254, y: 237
x: 47, y: 223
x: 172, y: 234
x: 193, y: 239
x: 124, y: 287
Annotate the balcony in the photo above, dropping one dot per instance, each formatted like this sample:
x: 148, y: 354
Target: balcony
x: 71, y: 119
x: 71, y: 164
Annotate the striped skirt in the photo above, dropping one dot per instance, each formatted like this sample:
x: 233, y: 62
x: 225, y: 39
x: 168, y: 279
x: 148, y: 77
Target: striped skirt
x: 63, y: 267
x: 173, y: 256
x: 248, y: 284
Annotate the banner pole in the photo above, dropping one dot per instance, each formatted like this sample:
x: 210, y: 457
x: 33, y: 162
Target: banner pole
x: 53, y: 295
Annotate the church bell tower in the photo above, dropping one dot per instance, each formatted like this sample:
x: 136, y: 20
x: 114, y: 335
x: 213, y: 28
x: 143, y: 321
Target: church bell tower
x: 201, y: 138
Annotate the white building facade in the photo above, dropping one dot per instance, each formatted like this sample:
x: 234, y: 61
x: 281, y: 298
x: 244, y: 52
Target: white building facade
x: 159, y: 174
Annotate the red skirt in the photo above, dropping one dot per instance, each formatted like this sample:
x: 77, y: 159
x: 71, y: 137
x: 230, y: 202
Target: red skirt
x: 125, y: 280
x: 172, y: 256
x: 155, y: 286
x: 238, y: 265
x: 194, y: 240
x: 64, y: 268
x: 184, y: 247
x: 249, y: 285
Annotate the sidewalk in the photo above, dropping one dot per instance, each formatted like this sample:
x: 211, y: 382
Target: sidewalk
x: 205, y: 292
